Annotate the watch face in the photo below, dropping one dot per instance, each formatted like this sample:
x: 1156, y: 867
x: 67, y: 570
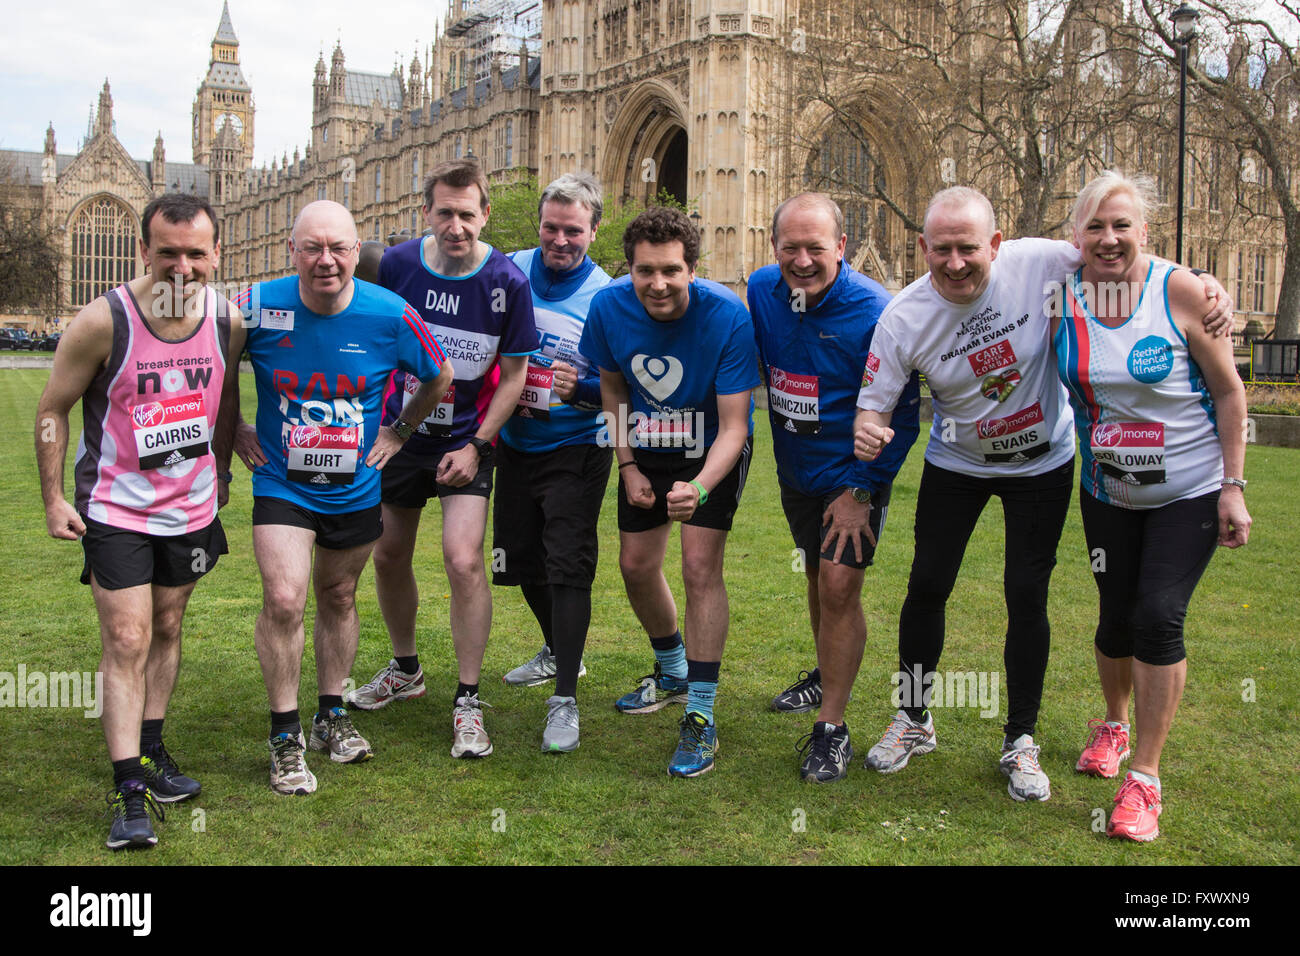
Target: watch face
x: 861, y: 495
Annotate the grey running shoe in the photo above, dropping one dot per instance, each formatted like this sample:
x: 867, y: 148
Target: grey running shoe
x: 903, y: 738
x: 388, y: 685
x: 827, y: 753
x: 538, y: 671
x: 561, y: 733
x: 334, y: 732
x: 804, y: 695
x: 1019, y: 762
x: 289, y: 773
x: 469, y: 739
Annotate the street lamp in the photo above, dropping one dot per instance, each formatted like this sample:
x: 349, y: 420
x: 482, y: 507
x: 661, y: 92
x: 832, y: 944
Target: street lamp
x: 1184, y: 19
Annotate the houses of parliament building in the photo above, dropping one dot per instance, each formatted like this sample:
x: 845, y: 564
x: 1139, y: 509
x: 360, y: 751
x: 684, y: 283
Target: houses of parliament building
x: 710, y: 100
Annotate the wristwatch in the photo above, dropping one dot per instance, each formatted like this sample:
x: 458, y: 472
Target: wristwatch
x: 1239, y: 482
x: 402, y: 429
x: 861, y: 495
x: 484, y: 448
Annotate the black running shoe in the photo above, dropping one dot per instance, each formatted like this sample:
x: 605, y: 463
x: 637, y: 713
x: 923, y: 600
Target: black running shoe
x: 802, y: 696
x: 827, y: 753
x: 165, y: 780
x: 130, y: 808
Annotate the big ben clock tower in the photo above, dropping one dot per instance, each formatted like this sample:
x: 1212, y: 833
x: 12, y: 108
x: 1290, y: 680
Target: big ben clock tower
x: 224, y: 98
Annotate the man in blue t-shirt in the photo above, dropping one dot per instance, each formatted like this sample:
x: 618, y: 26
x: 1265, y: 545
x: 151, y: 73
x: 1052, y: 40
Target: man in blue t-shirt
x: 814, y: 317
x: 323, y: 346
x: 551, y: 470
x: 677, y: 365
x: 476, y: 302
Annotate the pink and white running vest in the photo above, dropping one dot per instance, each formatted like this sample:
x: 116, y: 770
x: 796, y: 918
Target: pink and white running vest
x: 144, y: 461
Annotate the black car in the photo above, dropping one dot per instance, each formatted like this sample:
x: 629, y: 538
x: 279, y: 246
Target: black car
x: 15, y: 339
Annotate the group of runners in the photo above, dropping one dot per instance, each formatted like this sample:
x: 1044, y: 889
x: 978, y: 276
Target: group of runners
x: 461, y: 365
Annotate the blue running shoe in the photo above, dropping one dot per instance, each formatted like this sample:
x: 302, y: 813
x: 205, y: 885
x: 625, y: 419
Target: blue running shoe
x: 129, y: 808
x: 655, y: 692
x: 695, y: 749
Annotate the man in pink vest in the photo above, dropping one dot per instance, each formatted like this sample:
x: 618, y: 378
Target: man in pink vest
x: 155, y: 364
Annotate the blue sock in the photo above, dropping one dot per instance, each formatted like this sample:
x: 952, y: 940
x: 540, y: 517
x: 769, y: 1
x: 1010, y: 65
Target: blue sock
x: 671, y: 655
x: 703, y: 687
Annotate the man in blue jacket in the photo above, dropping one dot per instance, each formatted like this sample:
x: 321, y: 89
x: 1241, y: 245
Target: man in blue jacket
x: 813, y: 320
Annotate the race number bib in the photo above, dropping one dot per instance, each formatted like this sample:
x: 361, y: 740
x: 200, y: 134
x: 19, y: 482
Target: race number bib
x: 664, y: 431
x: 438, y: 424
x: 794, y: 401
x: 1132, y: 452
x: 320, y: 455
x: 535, y: 399
x: 170, y: 430
x: 1016, y: 438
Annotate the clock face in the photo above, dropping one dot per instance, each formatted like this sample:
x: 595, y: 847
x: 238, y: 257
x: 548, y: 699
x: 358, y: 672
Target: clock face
x: 235, y: 122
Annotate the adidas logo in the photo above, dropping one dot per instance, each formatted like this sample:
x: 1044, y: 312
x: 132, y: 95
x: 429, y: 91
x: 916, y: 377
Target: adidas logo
x: 285, y: 343
x: 175, y: 458
x: 1018, y: 456
x: 789, y: 425
x: 320, y: 479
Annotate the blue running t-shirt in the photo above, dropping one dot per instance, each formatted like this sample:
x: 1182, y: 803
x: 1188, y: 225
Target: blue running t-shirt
x: 320, y: 388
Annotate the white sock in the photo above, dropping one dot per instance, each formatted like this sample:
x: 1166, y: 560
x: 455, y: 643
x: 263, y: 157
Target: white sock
x: 1146, y: 778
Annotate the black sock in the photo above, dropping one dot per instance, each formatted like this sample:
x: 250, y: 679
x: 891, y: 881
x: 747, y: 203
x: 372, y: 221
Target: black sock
x: 915, y: 714
x: 465, y: 690
x: 124, y: 770
x: 571, y: 609
x: 408, y: 665
x: 150, y: 734
x: 816, y: 675
x: 328, y: 702
x: 703, y: 671
x: 285, y: 722
x: 538, y: 597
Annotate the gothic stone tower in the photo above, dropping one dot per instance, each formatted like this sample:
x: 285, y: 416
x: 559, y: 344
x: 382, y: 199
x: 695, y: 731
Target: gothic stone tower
x: 223, y: 98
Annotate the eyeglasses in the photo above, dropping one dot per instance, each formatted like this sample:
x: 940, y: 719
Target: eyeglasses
x: 339, y: 250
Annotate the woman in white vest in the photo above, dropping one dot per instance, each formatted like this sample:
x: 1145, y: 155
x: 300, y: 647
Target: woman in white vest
x: 1159, y: 410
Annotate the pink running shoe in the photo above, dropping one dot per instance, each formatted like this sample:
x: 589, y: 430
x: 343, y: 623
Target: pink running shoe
x: 1137, y: 812
x: 1107, y: 746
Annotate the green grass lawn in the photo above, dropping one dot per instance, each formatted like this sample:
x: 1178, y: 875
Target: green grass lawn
x: 1230, y: 770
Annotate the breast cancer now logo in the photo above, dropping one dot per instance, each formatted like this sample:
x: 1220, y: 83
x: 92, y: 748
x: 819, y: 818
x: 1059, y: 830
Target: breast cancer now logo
x: 658, y: 376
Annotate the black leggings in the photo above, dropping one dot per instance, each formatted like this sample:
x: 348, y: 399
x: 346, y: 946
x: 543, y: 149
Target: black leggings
x: 1146, y: 564
x: 947, y: 508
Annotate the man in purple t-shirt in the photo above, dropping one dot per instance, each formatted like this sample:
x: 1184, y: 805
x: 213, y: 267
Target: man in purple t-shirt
x: 477, y: 303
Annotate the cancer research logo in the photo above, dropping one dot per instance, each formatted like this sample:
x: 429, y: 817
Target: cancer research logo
x: 658, y: 376
x: 1106, y: 436
x: 1151, y: 360
x: 146, y: 416
x: 305, y: 436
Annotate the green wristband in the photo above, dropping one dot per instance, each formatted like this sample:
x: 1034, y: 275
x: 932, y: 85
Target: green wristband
x: 704, y: 495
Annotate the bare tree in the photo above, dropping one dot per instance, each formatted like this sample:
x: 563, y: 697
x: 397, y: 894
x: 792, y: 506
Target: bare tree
x: 1248, y: 64
x: 29, y: 250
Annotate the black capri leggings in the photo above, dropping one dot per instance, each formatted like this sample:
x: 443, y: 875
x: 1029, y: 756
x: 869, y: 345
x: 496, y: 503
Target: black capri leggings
x: 1146, y: 564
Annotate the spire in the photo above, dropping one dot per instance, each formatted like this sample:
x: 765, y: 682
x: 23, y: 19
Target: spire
x: 104, y: 121
x: 49, y: 140
x: 225, y: 29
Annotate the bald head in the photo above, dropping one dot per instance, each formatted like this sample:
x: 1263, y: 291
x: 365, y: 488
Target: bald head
x: 325, y: 249
x: 808, y: 202
x: 962, y: 202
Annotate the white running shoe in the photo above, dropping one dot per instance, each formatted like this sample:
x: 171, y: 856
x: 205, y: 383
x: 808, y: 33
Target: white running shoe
x: 538, y: 671
x: 469, y: 739
x: 289, y: 773
x: 1019, y: 762
x: 561, y: 733
x: 903, y: 738
x: 388, y: 685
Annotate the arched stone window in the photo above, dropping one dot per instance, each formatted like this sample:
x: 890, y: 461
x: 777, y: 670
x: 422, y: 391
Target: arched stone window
x: 103, y: 249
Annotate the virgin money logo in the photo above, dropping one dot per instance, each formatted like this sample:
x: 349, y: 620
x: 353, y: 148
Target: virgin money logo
x: 658, y: 376
x: 146, y: 416
x: 1106, y: 436
x: 994, y: 428
x: 778, y: 379
x: 304, y: 436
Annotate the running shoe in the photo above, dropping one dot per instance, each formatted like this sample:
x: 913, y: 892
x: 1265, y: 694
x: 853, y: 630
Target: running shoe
x: 130, y: 808
x: 561, y: 733
x: 469, y: 739
x: 695, y: 748
x: 289, y: 773
x: 1106, y: 748
x: 334, y: 732
x: 390, y: 684
x: 538, y: 671
x: 827, y: 753
x: 804, y: 695
x: 903, y: 738
x: 1137, y: 812
x: 1019, y: 761
x: 655, y: 692
x: 164, y: 778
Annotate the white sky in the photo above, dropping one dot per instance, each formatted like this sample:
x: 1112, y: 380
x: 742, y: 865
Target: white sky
x: 58, y: 52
